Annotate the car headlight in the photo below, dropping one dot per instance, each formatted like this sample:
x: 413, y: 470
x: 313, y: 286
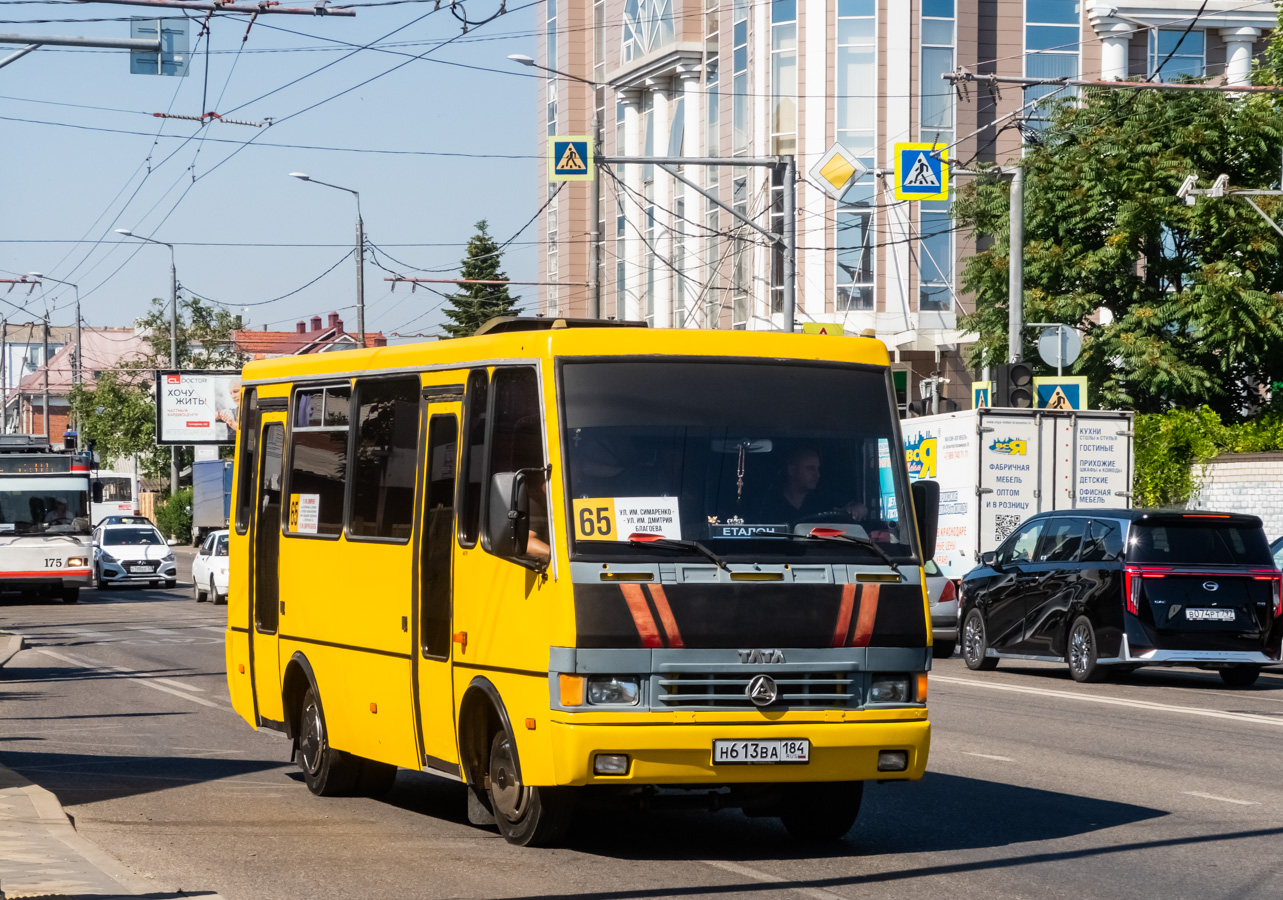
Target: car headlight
x: 106, y: 557
x: 889, y: 689
x: 612, y: 690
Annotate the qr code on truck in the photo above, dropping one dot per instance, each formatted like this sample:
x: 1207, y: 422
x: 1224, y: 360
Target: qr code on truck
x: 1003, y: 526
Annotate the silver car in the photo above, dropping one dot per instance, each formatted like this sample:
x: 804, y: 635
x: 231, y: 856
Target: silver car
x: 942, y: 595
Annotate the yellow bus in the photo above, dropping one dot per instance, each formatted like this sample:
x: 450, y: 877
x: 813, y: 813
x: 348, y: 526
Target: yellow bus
x: 566, y: 561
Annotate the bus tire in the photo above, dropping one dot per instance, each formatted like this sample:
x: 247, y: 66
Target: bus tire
x: 327, y: 772
x: 526, y: 816
x: 821, y: 811
x: 975, y: 643
x: 72, y: 595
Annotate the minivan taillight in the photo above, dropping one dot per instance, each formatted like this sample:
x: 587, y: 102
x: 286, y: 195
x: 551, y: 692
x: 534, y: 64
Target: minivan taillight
x: 1131, y: 584
x: 1276, y: 587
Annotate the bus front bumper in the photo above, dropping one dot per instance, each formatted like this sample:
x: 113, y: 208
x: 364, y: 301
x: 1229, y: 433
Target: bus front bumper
x: 46, y: 578
x: 673, y: 753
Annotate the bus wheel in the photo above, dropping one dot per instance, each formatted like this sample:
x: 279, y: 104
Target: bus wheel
x: 328, y: 772
x: 526, y: 816
x: 821, y: 811
x: 71, y: 595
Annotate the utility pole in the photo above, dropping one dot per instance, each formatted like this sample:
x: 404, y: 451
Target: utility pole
x: 594, y: 213
x: 4, y: 376
x: 45, y: 402
x: 1016, y: 265
x: 360, y: 275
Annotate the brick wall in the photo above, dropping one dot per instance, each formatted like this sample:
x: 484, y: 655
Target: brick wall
x: 1243, y: 482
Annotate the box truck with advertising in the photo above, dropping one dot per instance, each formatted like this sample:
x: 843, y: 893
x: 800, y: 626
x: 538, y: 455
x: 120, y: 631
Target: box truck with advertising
x: 997, y: 467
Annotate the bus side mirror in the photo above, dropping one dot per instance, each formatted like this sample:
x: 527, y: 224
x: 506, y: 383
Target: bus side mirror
x: 98, y: 492
x: 926, y: 504
x: 508, y: 525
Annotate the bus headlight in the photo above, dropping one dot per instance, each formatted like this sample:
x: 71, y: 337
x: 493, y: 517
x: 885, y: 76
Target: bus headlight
x: 889, y: 689
x: 612, y: 690
x: 77, y: 562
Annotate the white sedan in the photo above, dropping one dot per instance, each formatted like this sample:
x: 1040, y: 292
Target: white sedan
x: 209, y: 569
x: 132, y: 554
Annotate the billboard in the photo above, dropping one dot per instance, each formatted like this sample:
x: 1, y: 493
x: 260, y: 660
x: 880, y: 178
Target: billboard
x: 197, y: 407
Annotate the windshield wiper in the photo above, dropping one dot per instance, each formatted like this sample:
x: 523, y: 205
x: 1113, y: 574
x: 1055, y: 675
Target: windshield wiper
x: 836, y: 534
x: 642, y: 538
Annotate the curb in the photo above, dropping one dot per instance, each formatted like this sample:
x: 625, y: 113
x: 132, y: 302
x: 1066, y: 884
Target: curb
x: 10, y: 644
x: 59, y: 829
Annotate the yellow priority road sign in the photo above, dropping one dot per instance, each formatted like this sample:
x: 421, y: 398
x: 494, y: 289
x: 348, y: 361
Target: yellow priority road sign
x: 570, y: 158
x: 828, y: 328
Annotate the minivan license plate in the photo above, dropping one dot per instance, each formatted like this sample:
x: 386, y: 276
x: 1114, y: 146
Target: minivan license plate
x: 1210, y: 615
x: 727, y: 753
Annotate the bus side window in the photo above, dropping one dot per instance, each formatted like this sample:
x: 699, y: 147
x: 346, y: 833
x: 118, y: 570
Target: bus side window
x: 249, y: 461
x: 516, y: 442
x: 383, y: 466
x: 474, y: 426
x: 319, y: 454
x: 443, y: 440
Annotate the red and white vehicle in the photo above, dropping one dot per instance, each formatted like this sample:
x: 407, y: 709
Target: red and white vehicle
x: 45, y: 533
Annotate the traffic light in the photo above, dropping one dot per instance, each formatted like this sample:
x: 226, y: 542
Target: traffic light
x: 1014, y: 386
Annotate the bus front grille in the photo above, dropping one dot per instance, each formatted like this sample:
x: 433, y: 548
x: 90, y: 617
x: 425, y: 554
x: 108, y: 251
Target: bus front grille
x: 719, y: 690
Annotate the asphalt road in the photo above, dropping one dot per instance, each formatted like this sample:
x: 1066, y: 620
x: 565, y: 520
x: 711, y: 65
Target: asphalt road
x: 1163, y: 786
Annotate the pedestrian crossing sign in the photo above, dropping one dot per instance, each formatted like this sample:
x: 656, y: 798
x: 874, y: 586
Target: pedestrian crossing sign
x: 980, y: 392
x: 922, y: 171
x: 1060, y: 392
x: 570, y: 159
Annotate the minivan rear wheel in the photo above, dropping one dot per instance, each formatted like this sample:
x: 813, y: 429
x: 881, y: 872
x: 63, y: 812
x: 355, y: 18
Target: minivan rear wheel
x: 975, y: 643
x: 1082, y: 653
x: 1240, y: 676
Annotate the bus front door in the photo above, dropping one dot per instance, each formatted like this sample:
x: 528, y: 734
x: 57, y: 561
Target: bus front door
x: 433, y: 682
x: 265, y: 541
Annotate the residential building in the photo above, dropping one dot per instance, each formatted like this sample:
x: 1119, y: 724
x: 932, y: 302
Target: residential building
x: 104, y: 349
x: 307, y: 337
x: 756, y: 78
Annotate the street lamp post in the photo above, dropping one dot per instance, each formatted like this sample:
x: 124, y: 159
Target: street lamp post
x: 173, y: 339
x: 360, y: 251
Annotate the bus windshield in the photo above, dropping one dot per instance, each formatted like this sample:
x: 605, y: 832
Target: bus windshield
x: 734, y: 455
x: 40, y: 506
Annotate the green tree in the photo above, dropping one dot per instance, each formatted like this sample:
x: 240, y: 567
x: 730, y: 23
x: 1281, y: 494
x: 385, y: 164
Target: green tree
x: 119, y: 416
x: 118, y: 412
x: 1190, y: 295
x: 471, y: 307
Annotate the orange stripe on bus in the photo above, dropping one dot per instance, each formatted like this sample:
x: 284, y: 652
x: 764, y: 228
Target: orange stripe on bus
x: 868, y: 612
x: 844, y: 615
x: 642, y: 618
x: 666, y: 615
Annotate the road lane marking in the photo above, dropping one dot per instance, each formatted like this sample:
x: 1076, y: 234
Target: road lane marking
x: 766, y: 878
x: 1221, y: 799
x: 988, y: 756
x: 125, y: 673
x: 1114, y: 701
x: 179, y: 684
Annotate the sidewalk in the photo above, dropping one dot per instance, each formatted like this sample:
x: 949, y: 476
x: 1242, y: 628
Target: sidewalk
x: 42, y: 855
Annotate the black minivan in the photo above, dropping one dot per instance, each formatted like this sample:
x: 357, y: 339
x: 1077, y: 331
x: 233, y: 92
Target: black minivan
x: 1119, y: 589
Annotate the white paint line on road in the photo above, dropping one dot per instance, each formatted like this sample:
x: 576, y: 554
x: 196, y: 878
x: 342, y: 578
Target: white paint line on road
x: 219, y: 628
x: 1113, y: 701
x: 125, y: 674
x: 988, y: 756
x: 817, y: 893
x: 1221, y: 799
x: 164, y: 631
x: 179, y: 684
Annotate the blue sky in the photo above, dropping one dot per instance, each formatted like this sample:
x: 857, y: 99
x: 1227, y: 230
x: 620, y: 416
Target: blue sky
x: 64, y: 184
